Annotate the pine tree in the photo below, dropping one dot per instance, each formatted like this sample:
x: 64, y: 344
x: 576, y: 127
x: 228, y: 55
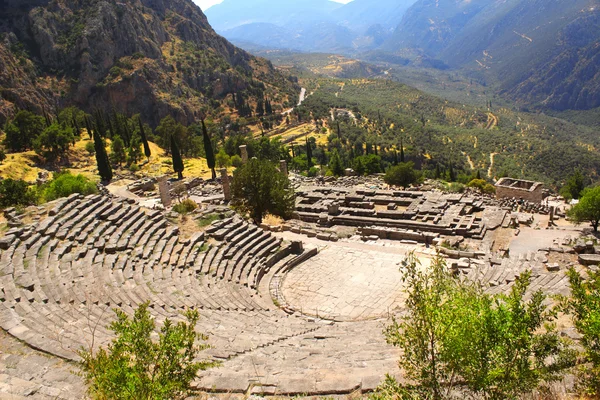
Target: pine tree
x: 268, y: 107
x: 176, y: 156
x: 339, y: 133
x: 208, y: 149
x: 395, y: 157
x: 104, y: 169
x: 260, y: 108
x: 147, y: 151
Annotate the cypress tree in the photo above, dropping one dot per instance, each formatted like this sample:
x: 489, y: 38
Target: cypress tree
x: 176, y: 156
x: 339, y: 133
x: 395, y: 157
x: 88, y: 127
x: 147, y: 151
x: 309, y: 154
x: 401, y: 151
x: 208, y: 149
x: 104, y: 169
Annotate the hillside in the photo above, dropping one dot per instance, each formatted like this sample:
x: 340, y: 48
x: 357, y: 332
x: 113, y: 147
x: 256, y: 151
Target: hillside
x: 151, y: 57
x: 515, y: 44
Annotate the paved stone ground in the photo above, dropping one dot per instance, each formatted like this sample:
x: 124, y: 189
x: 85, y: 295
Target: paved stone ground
x: 345, y: 282
x: 27, y: 373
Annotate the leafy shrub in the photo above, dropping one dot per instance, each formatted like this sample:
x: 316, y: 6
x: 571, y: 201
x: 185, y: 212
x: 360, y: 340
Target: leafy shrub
x: 185, y: 207
x: 496, y: 346
x: 584, y: 306
x: 90, y: 148
x: 115, y: 71
x: 489, y: 189
x: 65, y: 184
x: 313, y: 171
x: 134, y: 167
x: 135, y: 367
x: 16, y: 193
x: 2, y: 155
x: 455, y: 187
x: 236, y: 161
x: 403, y: 174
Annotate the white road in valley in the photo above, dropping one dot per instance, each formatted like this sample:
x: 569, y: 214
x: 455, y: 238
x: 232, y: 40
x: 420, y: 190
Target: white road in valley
x: 300, y: 101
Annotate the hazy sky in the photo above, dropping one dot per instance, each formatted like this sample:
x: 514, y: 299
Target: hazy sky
x: 205, y: 4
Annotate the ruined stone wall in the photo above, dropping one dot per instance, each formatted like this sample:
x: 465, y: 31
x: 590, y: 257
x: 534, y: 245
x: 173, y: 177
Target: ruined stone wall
x: 533, y: 194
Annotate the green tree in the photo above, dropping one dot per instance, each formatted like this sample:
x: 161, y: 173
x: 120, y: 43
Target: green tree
x: 65, y: 184
x: 588, y: 208
x: 144, y: 139
x: 54, y: 141
x: 16, y: 193
x: 208, y: 150
x: 456, y: 337
x: 574, y: 186
x: 403, y: 174
x: 134, y: 152
x: 90, y: 148
x: 259, y: 188
x: 135, y: 367
x: 335, y: 163
x: 584, y: 306
x: 223, y: 160
x: 117, y: 150
x: 104, y: 168
x: 177, y: 160
x: 309, y: 155
x: 22, y: 131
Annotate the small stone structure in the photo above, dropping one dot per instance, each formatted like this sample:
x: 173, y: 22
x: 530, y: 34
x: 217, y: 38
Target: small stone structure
x: 244, y: 153
x: 520, y: 189
x: 283, y: 167
x: 163, y: 189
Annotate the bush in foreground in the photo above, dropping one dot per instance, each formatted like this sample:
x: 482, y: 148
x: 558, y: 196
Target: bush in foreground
x: 134, y: 367
x: 455, y: 337
x: 14, y: 193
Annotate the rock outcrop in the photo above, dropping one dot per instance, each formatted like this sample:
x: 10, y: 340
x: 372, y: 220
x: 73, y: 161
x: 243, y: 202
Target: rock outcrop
x: 153, y: 57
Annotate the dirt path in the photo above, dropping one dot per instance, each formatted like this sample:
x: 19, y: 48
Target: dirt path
x: 492, y: 121
x: 492, y: 155
x: 471, y: 164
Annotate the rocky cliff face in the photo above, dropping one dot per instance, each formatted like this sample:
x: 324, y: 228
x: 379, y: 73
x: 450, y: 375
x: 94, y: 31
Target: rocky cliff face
x: 153, y: 57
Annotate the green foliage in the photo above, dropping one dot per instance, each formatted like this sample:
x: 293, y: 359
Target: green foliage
x: 208, y: 150
x: 117, y: 150
x: 574, y: 186
x: 588, y: 208
x: 104, y: 168
x: 454, y: 335
x: 223, y: 160
x: 90, y: 148
x: 185, y: 207
x: 335, y: 164
x: 16, y: 193
x: 65, y: 184
x: 236, y: 161
x: 54, y: 141
x: 22, y: 131
x: 176, y: 156
x: 2, y: 155
x: 135, y: 367
x: 259, y: 188
x: 403, y: 174
x: 144, y: 139
x: 207, y: 220
x: 584, y: 306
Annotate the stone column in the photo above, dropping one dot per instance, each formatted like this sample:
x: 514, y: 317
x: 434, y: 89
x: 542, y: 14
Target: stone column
x: 163, y: 189
x: 283, y: 167
x: 244, y: 152
x: 226, y: 187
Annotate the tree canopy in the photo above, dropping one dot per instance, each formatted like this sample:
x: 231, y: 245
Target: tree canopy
x: 403, y: 174
x: 259, y: 188
x: 588, y: 208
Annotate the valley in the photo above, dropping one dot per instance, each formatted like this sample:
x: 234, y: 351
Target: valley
x: 244, y: 199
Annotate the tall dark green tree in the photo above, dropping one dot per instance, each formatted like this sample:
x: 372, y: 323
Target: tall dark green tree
x: 177, y: 160
x: 208, y: 149
x: 104, y: 168
x: 401, y: 150
x: 147, y: 151
x: 309, y: 154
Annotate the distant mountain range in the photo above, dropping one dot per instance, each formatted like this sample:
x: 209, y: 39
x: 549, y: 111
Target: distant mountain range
x: 309, y: 25
x: 540, y: 53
